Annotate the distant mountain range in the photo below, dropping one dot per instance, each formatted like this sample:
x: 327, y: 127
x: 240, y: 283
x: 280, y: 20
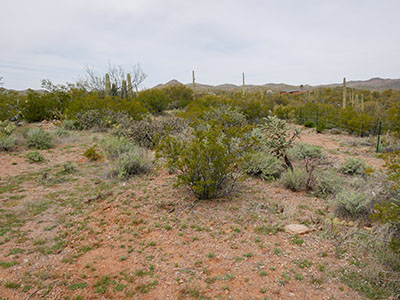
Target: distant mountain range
x: 370, y: 84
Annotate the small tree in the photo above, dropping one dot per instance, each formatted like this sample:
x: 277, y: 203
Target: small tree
x: 278, y: 137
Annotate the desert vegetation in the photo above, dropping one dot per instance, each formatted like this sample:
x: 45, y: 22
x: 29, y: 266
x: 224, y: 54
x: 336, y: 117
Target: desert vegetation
x: 108, y: 191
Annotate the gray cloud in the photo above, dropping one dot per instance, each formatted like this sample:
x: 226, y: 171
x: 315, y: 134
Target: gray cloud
x: 271, y: 41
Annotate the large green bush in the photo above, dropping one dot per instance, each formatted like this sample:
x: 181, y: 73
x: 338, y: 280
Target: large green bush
x: 326, y: 183
x: 155, y: 100
x: 209, y: 162
x: 179, y: 96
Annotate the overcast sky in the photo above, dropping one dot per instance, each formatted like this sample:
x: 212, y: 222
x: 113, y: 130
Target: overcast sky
x: 295, y: 42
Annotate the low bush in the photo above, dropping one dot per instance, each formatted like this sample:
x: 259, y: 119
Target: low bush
x: 210, y: 162
x: 92, y: 154
x: 326, y: 183
x: 309, y: 155
x: 131, y: 163
x: 7, y: 128
x: 38, y: 138
x: 294, y: 180
x: 113, y: 147
x: 7, y: 142
x: 34, y: 156
x: 70, y: 125
x: 225, y: 115
x: 263, y: 165
x: 127, y: 159
x: 353, y: 203
x: 146, y: 132
x: 353, y: 166
x: 61, y: 132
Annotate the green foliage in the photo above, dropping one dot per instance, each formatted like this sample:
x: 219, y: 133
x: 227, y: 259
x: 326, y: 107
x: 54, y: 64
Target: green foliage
x: 294, y: 180
x: 389, y: 211
x: 7, y: 128
x: 34, y: 156
x: 278, y: 137
x: 353, y: 203
x: 82, y: 103
x: 146, y: 132
x: 210, y: 161
x: 61, y: 132
x: 70, y: 125
x: 353, y: 166
x: 264, y: 165
x: 155, y: 100
x: 127, y: 158
x: 113, y: 147
x: 179, y: 96
x: 225, y: 115
x: 327, y: 182
x: 38, y: 138
x: 131, y: 163
x: 92, y: 154
x: 6, y: 142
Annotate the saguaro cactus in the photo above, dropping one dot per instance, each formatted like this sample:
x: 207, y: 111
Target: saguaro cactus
x: 243, y: 86
x: 130, y: 89
x: 356, y: 103
x: 271, y: 100
x: 362, y: 103
x: 123, y: 90
x: 344, y: 93
x: 107, y: 85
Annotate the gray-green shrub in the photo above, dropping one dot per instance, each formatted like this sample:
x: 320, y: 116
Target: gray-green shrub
x: 354, y: 203
x: 327, y: 182
x: 127, y: 159
x: 7, y: 142
x: 34, y: 156
x: 70, y: 125
x: 264, y: 165
x: 353, y: 166
x: 38, y: 138
x: 131, y: 163
x: 294, y: 180
x: 7, y: 128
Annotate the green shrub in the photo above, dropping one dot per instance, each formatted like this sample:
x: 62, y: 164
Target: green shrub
x: 91, y: 153
x: 225, y: 115
x: 7, y: 142
x: 294, y: 180
x: 61, y: 132
x: 210, y: 161
x: 146, y: 132
x: 264, y: 165
x: 34, y: 156
x: 70, y: 125
x: 278, y: 137
x: 68, y: 168
x: 303, y: 151
x: 7, y: 128
x: 131, y: 163
x: 155, y: 100
x: 179, y: 96
x: 326, y: 183
x: 353, y: 166
x: 309, y: 124
x: 113, y: 147
x: 127, y: 159
x: 353, y: 203
x: 38, y: 138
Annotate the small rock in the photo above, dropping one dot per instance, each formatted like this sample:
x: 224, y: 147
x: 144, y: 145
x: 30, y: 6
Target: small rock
x: 296, y: 229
